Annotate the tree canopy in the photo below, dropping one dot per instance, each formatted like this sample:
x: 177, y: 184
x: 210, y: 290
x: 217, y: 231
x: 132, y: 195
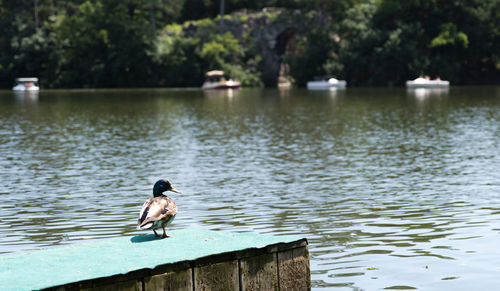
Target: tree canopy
x: 148, y: 43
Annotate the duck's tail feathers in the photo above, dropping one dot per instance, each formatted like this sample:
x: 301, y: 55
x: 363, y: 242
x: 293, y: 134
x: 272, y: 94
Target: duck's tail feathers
x: 145, y: 226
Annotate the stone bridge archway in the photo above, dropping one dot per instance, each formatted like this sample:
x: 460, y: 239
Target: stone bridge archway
x: 272, y: 31
x: 273, y: 45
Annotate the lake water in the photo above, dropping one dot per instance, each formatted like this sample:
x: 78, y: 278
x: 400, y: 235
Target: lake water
x: 393, y: 189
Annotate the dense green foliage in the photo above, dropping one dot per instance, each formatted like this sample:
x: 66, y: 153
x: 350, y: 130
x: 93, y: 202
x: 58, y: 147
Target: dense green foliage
x: 139, y: 43
x: 391, y: 40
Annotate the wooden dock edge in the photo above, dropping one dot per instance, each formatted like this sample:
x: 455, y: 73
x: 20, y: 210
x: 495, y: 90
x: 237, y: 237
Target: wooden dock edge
x: 282, y: 266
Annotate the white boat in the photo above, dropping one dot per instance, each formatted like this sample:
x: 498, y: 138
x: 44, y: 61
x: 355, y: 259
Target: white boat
x: 26, y: 84
x: 326, y: 82
x: 216, y: 80
x: 427, y: 83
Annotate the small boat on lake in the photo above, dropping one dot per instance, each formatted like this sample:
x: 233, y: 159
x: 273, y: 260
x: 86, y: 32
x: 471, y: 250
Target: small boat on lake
x: 325, y: 83
x: 425, y: 82
x: 216, y: 80
x: 26, y: 84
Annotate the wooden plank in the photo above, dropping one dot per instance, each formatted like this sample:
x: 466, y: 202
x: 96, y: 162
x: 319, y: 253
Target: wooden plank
x: 220, y: 276
x: 293, y: 269
x: 132, y: 285
x: 259, y: 273
x: 179, y: 280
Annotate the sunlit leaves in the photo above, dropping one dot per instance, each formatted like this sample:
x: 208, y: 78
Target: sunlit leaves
x: 222, y: 48
x: 450, y: 36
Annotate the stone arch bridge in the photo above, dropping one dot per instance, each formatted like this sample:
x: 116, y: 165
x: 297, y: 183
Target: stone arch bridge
x: 272, y: 30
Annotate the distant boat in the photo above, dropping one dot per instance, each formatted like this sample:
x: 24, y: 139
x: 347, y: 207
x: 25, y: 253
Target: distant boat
x: 284, y: 83
x: 26, y: 84
x: 326, y: 82
x: 216, y: 80
x: 421, y: 82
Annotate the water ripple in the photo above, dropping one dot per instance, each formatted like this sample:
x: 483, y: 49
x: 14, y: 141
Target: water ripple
x: 392, y: 191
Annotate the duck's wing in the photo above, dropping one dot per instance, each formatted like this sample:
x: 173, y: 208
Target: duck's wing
x: 156, y: 208
x: 144, y: 210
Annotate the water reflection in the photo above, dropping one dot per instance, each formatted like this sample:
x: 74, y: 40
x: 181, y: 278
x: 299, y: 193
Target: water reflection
x: 284, y: 91
x: 421, y: 93
x: 26, y: 96
x: 229, y: 93
x: 331, y: 92
x: 390, y: 192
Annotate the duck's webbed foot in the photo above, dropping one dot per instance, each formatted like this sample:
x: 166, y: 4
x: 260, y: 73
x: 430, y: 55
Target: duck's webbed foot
x: 165, y: 235
x: 156, y: 234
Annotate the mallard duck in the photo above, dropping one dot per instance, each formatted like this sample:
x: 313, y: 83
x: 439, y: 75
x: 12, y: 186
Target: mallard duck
x: 158, y: 211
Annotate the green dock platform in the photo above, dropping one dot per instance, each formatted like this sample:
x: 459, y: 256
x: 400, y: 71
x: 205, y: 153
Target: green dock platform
x: 192, y: 259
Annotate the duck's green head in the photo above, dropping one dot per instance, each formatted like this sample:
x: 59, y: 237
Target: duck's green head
x: 162, y: 186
